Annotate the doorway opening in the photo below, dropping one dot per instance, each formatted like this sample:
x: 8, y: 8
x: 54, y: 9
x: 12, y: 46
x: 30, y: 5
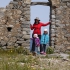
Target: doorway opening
x: 43, y: 12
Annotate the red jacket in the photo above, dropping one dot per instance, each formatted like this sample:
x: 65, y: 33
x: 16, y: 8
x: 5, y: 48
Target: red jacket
x: 37, y: 27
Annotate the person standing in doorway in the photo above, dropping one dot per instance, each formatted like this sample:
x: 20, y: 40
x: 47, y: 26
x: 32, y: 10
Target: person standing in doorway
x: 36, y: 27
x: 37, y: 43
x: 44, y: 41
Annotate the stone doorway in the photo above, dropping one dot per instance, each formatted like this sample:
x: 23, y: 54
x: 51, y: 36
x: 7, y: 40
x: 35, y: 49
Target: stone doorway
x: 44, y: 4
x: 44, y: 15
x: 20, y: 19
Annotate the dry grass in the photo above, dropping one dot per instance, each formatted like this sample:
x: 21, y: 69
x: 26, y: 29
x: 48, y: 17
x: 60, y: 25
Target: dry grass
x: 15, y: 61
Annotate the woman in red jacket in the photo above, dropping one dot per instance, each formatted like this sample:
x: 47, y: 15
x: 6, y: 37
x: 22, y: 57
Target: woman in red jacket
x: 36, y: 27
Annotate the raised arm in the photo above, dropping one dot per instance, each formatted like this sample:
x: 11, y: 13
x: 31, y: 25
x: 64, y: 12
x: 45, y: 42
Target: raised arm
x: 42, y: 24
x: 31, y: 27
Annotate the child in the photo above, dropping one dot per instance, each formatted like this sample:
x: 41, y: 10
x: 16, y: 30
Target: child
x: 44, y: 41
x: 37, y: 43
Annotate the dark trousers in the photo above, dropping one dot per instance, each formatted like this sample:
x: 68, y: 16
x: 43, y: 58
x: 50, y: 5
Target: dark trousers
x: 33, y: 43
x: 43, y: 47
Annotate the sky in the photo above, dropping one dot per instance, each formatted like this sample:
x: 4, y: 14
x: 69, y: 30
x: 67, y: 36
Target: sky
x: 43, y: 12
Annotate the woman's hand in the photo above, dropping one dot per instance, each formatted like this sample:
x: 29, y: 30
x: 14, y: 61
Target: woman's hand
x: 31, y: 26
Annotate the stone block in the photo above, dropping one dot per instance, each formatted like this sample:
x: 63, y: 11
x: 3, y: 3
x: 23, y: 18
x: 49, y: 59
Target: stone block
x: 53, y: 20
x: 9, y: 26
x: 25, y: 26
x: 58, y: 21
x: 68, y: 48
x: 22, y: 19
x: 28, y: 41
x: 60, y: 25
x: 52, y: 26
x: 25, y: 45
x: 53, y: 23
x: 10, y: 43
x: 27, y: 1
x: 6, y: 39
x: 68, y: 39
x: 65, y: 0
x: 55, y: 2
x: 53, y: 12
x: 53, y: 35
x: 24, y: 32
x: 19, y: 12
x: 67, y: 35
x: 52, y: 39
x: 9, y: 47
x: 68, y: 4
x: 28, y: 32
x: 58, y: 17
x: 59, y: 12
x: 16, y: 45
x: 19, y: 3
x: 13, y: 39
x: 20, y: 42
x: 19, y: 35
x: 53, y: 16
x: 26, y: 29
x: 17, y: 25
x: 3, y: 43
x: 26, y: 36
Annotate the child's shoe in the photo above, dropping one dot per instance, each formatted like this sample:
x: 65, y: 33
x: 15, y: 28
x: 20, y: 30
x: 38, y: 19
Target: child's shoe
x: 42, y: 52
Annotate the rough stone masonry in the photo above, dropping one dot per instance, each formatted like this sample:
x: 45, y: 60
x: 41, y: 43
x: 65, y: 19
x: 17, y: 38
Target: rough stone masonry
x: 15, y: 24
x: 60, y: 26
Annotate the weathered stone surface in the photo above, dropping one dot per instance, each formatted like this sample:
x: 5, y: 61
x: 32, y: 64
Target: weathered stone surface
x: 53, y: 26
x: 20, y: 42
x: 68, y: 4
x: 60, y: 24
x: 53, y: 16
x: 15, y: 24
x: 67, y: 35
x: 24, y: 32
x: 68, y: 48
x: 10, y: 47
x: 65, y: 0
x: 26, y: 36
x: 3, y: 43
x: 13, y: 19
x: 55, y: 2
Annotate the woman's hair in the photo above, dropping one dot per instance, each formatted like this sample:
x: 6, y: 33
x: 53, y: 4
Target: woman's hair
x: 38, y: 21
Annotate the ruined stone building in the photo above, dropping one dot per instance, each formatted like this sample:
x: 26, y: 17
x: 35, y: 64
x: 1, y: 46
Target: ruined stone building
x: 15, y: 23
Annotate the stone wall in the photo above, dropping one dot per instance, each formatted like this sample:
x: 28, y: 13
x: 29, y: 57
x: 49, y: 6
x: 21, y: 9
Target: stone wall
x: 15, y: 24
x: 60, y: 26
